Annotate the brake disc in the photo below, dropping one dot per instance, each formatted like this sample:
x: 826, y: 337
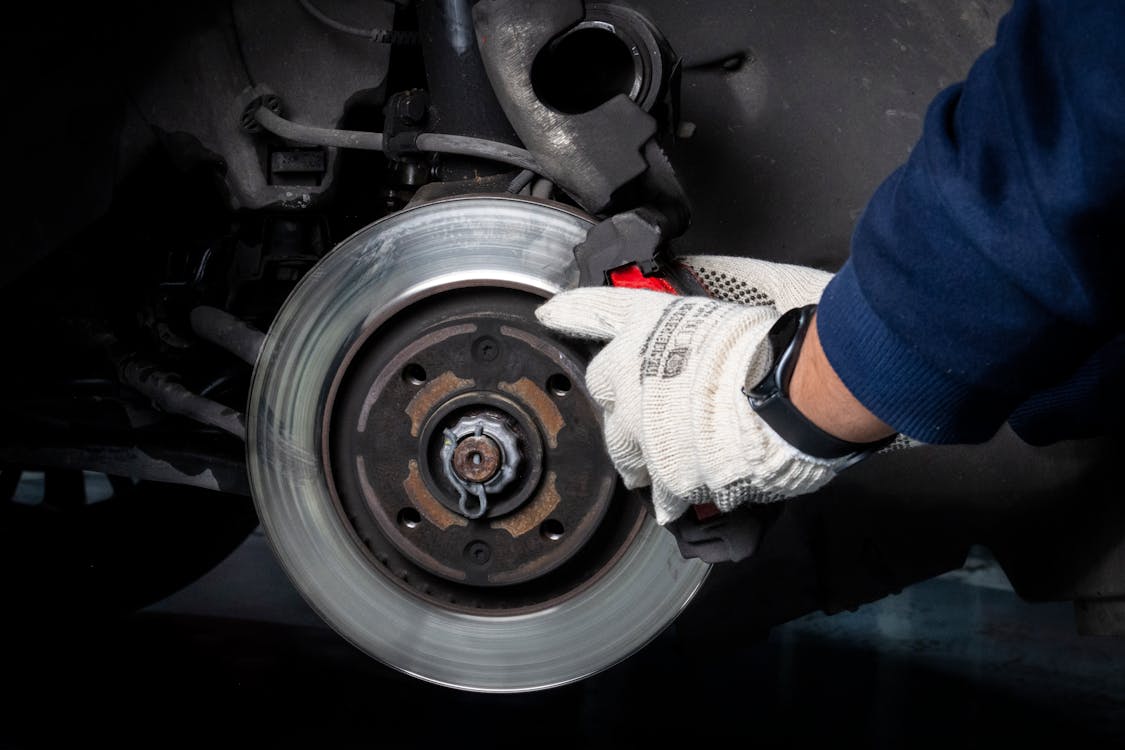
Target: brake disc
x: 429, y: 467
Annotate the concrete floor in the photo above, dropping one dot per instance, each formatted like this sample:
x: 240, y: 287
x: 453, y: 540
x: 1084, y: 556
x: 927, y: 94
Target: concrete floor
x: 238, y: 657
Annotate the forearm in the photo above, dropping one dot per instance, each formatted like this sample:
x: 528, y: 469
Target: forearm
x: 984, y: 270
x: 819, y: 394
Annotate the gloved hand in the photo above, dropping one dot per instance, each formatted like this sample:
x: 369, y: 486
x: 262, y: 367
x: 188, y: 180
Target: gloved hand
x: 670, y: 380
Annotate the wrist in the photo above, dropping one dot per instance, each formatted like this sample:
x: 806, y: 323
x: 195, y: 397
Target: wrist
x: 771, y: 397
x: 819, y: 394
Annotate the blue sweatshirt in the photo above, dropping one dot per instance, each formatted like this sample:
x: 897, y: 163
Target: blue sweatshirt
x: 986, y: 279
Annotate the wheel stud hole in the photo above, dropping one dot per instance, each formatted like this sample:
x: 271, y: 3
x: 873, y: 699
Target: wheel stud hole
x: 414, y: 374
x: 409, y: 517
x: 559, y: 384
x: 551, y: 530
x: 478, y: 552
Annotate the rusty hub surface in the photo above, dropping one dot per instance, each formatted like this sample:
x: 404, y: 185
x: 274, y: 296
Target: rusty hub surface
x: 455, y: 395
x: 477, y: 458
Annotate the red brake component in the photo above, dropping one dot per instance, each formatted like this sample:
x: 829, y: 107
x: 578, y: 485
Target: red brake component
x: 704, y: 511
x: 630, y: 277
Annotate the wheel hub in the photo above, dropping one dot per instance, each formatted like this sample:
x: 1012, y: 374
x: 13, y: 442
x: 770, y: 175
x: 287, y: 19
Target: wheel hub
x: 486, y: 475
x: 455, y: 419
x: 474, y: 462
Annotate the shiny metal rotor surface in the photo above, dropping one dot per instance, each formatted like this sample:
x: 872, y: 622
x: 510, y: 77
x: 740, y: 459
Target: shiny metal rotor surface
x: 375, y: 274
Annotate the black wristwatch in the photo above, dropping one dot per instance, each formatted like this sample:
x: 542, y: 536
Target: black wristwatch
x: 770, y: 397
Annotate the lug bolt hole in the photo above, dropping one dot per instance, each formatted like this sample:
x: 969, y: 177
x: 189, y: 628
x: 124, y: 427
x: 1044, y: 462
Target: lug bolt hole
x: 409, y: 517
x: 478, y: 552
x: 414, y: 374
x: 551, y: 530
x: 486, y: 349
x: 559, y: 384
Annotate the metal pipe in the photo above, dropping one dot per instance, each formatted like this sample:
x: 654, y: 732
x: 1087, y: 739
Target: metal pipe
x: 228, y: 332
x: 467, y: 146
x: 384, y: 36
x: 315, y: 136
x: 167, y: 393
x: 461, y: 145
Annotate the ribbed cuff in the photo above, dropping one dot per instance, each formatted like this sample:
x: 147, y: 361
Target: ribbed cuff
x: 890, y: 377
x: 1060, y: 413
x: 1087, y: 404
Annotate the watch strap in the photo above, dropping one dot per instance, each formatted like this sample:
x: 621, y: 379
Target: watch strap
x: 769, y: 398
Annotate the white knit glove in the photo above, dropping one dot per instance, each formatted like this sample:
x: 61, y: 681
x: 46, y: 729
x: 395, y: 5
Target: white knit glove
x: 670, y: 381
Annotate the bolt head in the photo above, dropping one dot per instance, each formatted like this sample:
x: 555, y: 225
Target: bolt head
x: 412, y: 108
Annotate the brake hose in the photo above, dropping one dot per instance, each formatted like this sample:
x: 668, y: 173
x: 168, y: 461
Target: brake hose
x: 460, y: 145
x: 384, y: 36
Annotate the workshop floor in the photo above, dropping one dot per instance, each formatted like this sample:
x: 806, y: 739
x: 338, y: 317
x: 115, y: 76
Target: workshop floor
x: 238, y: 657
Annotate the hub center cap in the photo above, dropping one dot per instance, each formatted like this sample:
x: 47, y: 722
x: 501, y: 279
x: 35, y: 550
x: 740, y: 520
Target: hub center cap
x: 480, y: 456
x: 476, y: 459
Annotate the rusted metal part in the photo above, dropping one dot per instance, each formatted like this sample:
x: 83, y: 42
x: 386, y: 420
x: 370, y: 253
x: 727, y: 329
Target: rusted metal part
x: 433, y: 393
x: 551, y: 531
x: 426, y: 503
x: 549, y: 416
x: 506, y: 422
x: 454, y: 399
x: 472, y: 500
x: 537, y: 511
x: 406, y: 354
x: 476, y: 458
x: 418, y: 554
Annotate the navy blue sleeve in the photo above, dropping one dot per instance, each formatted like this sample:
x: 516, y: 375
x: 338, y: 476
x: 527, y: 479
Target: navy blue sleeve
x: 988, y: 268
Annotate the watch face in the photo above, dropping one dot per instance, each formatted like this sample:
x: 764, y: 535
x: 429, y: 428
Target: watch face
x: 781, y: 337
x: 784, y: 330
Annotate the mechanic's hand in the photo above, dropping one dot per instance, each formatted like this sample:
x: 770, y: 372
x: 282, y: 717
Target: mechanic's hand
x: 670, y: 380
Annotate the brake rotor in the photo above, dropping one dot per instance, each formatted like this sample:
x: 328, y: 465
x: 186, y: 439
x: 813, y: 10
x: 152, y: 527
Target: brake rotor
x: 428, y: 465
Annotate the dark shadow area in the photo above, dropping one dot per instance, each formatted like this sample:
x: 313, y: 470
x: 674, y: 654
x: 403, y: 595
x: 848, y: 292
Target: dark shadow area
x: 237, y: 658
x: 164, y: 680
